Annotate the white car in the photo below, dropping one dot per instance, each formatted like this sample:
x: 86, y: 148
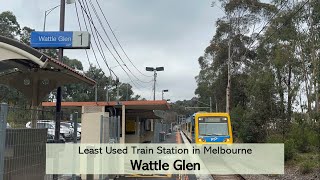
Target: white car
x: 71, y: 128
x: 66, y: 133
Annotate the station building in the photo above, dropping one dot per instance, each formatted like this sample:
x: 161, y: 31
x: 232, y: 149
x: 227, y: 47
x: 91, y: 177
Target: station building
x: 136, y: 119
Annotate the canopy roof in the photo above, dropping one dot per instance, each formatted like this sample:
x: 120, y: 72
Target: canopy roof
x: 143, y: 109
x: 33, y: 73
x: 144, y: 105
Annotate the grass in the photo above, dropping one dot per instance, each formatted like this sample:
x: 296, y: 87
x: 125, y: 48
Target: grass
x: 306, y: 162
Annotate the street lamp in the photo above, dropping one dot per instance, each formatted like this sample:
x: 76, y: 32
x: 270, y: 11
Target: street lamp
x: 154, y: 78
x: 47, y: 12
x: 163, y: 91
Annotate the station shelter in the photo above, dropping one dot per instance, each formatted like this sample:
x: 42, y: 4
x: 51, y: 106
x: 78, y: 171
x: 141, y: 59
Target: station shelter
x: 136, y: 118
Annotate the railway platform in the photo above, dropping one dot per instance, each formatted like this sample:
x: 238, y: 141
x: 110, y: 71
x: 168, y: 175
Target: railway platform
x: 174, y: 138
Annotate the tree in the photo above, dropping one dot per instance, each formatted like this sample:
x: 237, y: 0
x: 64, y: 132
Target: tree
x: 25, y: 35
x: 9, y: 26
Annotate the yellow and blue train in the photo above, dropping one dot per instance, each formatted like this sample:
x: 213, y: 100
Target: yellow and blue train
x: 208, y: 128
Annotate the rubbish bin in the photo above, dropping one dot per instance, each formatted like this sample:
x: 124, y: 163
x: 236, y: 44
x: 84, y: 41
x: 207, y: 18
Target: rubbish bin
x: 162, y: 136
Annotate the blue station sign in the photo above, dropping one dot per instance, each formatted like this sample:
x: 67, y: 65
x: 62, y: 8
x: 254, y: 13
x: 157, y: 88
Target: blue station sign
x: 60, y: 39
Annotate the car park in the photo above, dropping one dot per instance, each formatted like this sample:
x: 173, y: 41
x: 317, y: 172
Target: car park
x: 71, y: 128
x: 65, y: 133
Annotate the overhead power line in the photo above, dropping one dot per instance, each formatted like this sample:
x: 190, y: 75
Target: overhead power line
x: 86, y: 11
x: 118, y: 41
x: 109, y: 39
x: 266, y: 25
x: 81, y: 30
x: 286, y: 21
x: 92, y: 48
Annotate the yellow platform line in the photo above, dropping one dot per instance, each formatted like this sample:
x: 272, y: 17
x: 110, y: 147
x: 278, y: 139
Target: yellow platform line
x: 150, y: 175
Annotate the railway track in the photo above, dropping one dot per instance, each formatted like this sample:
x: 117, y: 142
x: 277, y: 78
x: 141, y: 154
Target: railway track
x: 228, y: 177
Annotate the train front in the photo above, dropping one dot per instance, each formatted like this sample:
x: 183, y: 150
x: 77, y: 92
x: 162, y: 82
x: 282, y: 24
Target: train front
x: 213, y: 128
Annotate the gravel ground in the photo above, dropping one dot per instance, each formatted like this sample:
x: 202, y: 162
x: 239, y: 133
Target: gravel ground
x: 291, y: 173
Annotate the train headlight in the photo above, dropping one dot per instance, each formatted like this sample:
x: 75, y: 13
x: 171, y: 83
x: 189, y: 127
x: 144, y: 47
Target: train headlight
x: 226, y: 140
x: 201, y: 140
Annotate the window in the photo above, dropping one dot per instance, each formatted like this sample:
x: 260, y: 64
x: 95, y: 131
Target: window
x: 213, y: 126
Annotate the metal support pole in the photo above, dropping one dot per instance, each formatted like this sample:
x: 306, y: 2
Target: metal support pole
x: 58, y: 102
x: 210, y: 105
x: 101, y: 141
x: 107, y: 92
x: 154, y: 84
x: 118, y: 92
x: 127, y: 92
x: 75, y: 127
x: 162, y: 95
x: 75, y: 133
x: 44, y: 21
x: 96, y: 93
x: 3, y: 126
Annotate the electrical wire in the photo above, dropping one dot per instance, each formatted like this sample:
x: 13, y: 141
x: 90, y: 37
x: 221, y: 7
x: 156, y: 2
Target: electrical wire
x: 285, y: 22
x: 104, y: 30
x: 265, y: 26
x: 81, y: 30
x: 118, y: 40
x: 99, y: 47
x: 88, y: 14
x: 294, y: 14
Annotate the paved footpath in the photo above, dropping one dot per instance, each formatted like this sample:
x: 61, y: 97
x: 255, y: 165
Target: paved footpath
x: 174, y: 138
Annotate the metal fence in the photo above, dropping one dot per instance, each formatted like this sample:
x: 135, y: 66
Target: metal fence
x: 3, y: 126
x: 25, y: 154
x: 19, y: 116
x: 113, y: 129
x: 22, y: 151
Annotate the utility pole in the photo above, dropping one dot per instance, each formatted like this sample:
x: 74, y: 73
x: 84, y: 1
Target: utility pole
x: 154, y: 84
x: 154, y: 78
x: 96, y: 92
x: 58, y: 102
x: 127, y: 92
x: 210, y: 105
x: 229, y: 78
x: 117, y: 86
x: 107, y: 92
x: 60, y: 56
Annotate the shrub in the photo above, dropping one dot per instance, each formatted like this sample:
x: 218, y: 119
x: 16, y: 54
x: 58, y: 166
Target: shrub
x: 275, y: 138
x: 306, y: 167
x: 289, y: 149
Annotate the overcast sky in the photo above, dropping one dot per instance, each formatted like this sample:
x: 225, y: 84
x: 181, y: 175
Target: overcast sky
x: 168, y: 33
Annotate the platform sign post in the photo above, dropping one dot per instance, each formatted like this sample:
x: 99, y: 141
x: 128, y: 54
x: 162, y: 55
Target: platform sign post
x: 60, y: 39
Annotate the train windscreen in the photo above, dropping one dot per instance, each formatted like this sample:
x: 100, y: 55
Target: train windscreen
x: 213, y: 126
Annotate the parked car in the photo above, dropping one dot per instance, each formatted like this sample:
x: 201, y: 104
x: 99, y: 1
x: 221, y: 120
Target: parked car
x: 50, y: 138
x: 78, y: 126
x: 71, y: 128
x: 65, y: 133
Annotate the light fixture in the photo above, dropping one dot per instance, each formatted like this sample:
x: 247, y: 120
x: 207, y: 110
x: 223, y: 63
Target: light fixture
x: 26, y: 82
x: 45, y: 81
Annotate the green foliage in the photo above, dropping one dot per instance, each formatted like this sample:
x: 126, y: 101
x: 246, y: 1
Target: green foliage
x: 306, y: 167
x: 305, y: 137
x: 289, y: 149
x: 9, y: 26
x: 25, y: 35
x: 275, y: 138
